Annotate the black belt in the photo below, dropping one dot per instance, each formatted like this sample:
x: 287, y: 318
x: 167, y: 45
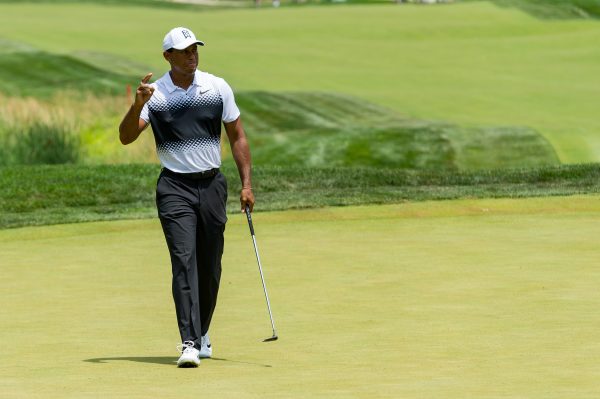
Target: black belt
x: 206, y: 174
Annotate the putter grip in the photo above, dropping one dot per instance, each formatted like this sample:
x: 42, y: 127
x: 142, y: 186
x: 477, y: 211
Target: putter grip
x: 249, y: 216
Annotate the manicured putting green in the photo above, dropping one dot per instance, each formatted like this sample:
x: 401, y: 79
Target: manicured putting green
x: 456, y: 299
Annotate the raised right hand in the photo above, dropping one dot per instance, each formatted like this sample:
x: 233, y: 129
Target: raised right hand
x: 144, y: 91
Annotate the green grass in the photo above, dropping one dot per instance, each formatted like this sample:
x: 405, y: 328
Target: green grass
x: 160, y: 4
x: 457, y: 299
x: 75, y: 193
x: 292, y: 129
x: 41, y: 144
x: 322, y: 129
x: 43, y: 74
x: 88, y: 121
x: 412, y: 145
x: 199, y: 6
x: 562, y: 9
x: 469, y: 64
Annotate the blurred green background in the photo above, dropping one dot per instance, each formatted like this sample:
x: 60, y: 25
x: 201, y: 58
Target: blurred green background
x: 488, y: 86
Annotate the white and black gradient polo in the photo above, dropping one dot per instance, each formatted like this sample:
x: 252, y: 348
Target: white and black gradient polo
x: 187, y: 123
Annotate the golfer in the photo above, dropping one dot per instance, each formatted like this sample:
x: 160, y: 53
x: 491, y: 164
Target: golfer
x: 185, y: 108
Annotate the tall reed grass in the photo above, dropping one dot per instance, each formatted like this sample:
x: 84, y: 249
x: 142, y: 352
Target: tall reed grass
x: 68, y: 128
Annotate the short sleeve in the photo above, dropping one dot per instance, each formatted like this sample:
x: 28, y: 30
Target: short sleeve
x: 144, y: 114
x: 230, y: 110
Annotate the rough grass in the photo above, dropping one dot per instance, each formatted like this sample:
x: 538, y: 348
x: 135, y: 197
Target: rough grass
x: 43, y: 144
x: 85, y: 119
x: 74, y: 193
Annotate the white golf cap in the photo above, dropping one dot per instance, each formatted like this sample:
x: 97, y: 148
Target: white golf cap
x: 180, y: 38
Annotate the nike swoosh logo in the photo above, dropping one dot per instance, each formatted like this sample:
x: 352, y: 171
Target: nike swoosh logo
x: 205, y: 91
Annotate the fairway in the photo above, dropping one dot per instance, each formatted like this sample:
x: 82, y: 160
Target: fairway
x: 472, y: 63
x: 448, y: 299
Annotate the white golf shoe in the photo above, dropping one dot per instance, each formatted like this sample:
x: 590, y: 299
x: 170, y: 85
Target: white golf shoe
x: 190, y: 356
x: 206, y: 348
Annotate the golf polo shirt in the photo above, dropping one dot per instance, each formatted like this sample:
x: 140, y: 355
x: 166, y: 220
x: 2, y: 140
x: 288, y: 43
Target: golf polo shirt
x: 187, y: 123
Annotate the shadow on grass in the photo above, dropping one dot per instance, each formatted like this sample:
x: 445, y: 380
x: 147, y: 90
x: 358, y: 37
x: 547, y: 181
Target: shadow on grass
x: 239, y: 361
x: 166, y: 360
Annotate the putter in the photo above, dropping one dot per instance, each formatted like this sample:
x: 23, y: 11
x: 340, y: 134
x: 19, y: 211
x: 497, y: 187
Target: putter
x: 274, y: 337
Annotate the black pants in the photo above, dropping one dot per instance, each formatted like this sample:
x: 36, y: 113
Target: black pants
x: 193, y: 216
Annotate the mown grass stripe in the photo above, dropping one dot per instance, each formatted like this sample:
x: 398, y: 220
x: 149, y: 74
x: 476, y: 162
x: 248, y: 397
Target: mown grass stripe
x: 42, y: 74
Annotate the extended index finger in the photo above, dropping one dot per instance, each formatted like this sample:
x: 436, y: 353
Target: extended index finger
x: 146, y: 78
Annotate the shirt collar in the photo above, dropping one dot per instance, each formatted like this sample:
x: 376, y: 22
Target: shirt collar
x: 170, y: 86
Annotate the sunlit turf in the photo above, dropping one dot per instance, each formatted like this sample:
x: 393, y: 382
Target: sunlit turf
x: 284, y: 128
x: 471, y: 298
x: 323, y: 129
x: 471, y: 63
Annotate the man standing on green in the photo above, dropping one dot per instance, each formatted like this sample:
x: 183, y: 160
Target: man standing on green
x: 185, y: 108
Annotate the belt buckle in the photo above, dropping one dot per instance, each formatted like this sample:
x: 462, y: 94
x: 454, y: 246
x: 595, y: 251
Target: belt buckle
x: 207, y: 173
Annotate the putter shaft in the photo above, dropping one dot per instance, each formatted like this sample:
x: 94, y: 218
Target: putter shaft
x: 262, y: 278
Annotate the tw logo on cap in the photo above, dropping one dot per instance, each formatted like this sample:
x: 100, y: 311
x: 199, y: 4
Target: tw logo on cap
x: 179, y: 38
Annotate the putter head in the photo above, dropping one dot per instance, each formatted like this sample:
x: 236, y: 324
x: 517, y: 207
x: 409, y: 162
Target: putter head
x: 273, y: 338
